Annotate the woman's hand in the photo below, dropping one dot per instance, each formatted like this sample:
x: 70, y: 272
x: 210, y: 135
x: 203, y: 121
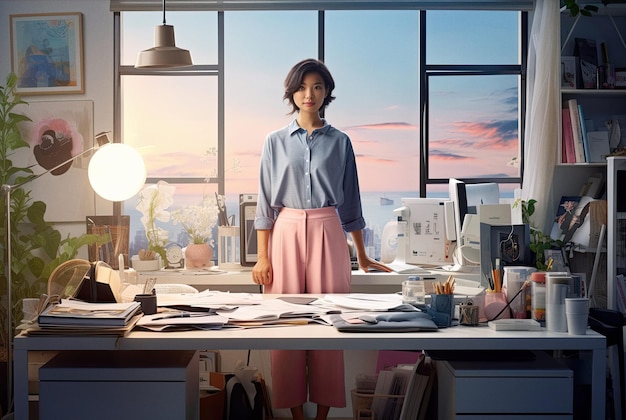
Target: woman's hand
x: 366, y: 263
x: 262, y: 271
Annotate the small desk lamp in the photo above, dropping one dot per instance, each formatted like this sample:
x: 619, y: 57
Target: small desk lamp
x: 116, y: 172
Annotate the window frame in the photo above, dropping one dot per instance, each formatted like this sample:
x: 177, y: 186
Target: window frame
x: 425, y: 71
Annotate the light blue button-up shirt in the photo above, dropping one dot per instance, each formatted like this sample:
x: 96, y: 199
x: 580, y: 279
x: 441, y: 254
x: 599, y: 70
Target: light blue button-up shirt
x: 308, y: 172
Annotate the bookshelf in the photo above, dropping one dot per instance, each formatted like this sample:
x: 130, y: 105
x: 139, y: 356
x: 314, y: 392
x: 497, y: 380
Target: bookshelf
x: 599, y: 105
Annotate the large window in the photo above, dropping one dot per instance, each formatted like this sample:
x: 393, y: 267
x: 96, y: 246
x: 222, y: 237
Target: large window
x: 446, y: 84
x: 473, y: 98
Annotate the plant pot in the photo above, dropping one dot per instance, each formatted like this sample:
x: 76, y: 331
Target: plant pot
x: 145, y: 265
x: 198, y: 256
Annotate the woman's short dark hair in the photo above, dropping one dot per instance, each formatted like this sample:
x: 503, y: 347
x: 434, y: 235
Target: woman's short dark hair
x: 296, y: 75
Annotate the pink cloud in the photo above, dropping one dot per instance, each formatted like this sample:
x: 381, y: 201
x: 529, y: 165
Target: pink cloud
x: 383, y: 126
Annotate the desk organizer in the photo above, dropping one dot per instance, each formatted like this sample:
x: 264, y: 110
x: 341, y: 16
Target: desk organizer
x: 364, y: 406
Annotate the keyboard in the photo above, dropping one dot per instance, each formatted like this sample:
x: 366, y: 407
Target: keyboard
x: 405, y: 268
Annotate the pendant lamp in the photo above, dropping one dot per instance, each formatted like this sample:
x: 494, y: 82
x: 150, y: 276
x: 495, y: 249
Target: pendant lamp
x: 164, y: 54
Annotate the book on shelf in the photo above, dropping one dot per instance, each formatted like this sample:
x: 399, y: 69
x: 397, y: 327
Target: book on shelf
x: 78, y: 313
x: 587, y: 51
x: 620, y: 285
x: 419, y: 389
x: 568, y: 155
x: 579, y: 148
x: 594, y: 187
x: 598, y: 143
x: 583, y: 131
x: 616, y: 126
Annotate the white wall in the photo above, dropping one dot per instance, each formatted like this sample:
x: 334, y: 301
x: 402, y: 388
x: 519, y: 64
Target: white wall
x: 98, y: 69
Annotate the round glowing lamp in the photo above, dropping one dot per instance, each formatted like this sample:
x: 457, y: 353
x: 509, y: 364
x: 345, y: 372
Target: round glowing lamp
x: 116, y: 172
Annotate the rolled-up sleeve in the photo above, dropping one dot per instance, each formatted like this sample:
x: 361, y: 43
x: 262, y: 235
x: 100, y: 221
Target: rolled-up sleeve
x: 350, y: 211
x: 265, y: 214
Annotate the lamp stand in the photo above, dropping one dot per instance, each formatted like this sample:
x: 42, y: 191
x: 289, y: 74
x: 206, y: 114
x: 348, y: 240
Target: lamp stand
x: 101, y: 139
x: 6, y: 190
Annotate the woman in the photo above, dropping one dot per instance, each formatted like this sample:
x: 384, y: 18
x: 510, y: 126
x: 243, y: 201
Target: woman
x: 308, y: 196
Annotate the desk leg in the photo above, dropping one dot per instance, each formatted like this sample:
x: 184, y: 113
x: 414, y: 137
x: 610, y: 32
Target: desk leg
x: 598, y: 383
x: 20, y: 378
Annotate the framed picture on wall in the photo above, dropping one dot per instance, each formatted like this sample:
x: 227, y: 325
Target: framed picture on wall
x: 56, y: 132
x: 47, y: 53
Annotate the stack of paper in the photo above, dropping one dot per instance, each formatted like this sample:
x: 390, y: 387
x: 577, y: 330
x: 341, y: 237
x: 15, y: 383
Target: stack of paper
x: 74, y: 317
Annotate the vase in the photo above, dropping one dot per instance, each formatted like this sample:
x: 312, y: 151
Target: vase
x: 198, y: 256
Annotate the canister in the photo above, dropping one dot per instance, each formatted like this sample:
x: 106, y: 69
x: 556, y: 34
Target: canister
x: 557, y: 284
x: 538, y: 296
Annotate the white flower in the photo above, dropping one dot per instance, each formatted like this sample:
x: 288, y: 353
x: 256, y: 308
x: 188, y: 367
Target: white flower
x: 153, y: 203
x: 198, y: 220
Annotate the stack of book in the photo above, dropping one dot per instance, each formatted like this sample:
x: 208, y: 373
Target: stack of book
x: 412, y: 382
x: 74, y: 317
x: 581, y: 142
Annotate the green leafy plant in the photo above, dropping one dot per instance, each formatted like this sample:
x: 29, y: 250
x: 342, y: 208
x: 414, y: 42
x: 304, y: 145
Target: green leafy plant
x: 539, y: 241
x: 585, y: 10
x: 574, y: 8
x: 37, y: 248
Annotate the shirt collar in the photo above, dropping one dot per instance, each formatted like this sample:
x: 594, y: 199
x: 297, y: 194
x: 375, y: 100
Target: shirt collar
x: 294, y: 127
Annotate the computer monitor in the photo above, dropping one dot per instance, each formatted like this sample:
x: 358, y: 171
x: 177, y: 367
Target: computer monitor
x: 467, y: 199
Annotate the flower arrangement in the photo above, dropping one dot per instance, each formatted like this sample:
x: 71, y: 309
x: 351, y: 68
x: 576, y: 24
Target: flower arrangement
x: 153, y: 203
x: 198, y: 220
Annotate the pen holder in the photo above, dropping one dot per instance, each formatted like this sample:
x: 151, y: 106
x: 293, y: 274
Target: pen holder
x: 468, y: 314
x: 494, y: 304
x: 148, y: 303
x: 442, y: 304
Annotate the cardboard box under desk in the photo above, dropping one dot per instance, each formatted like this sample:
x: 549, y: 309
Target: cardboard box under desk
x: 212, y: 404
x: 37, y: 359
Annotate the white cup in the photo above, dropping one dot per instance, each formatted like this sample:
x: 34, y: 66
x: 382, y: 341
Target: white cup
x: 577, y: 312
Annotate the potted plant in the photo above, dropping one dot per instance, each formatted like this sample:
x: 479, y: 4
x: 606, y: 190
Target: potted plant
x: 198, y: 221
x: 153, y: 203
x: 37, y: 248
x: 539, y: 241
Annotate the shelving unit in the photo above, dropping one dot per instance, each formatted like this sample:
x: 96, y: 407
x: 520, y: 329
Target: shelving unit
x: 599, y: 105
x: 608, y: 26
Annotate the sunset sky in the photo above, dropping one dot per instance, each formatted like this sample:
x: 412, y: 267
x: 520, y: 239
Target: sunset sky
x: 373, y: 58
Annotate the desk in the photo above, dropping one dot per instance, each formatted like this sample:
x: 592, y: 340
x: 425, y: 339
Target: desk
x: 319, y: 337
x: 241, y: 281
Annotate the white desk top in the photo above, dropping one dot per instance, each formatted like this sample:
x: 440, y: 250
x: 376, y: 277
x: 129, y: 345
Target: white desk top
x: 323, y: 337
x: 315, y: 336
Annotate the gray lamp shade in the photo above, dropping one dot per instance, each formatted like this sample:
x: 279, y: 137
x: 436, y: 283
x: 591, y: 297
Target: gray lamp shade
x: 164, y: 54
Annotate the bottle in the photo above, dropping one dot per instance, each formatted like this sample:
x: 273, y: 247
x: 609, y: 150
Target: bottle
x: 403, y: 237
x: 389, y: 242
x: 413, y: 291
x: 538, y: 300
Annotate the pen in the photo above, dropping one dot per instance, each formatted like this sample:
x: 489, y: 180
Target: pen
x: 181, y: 315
